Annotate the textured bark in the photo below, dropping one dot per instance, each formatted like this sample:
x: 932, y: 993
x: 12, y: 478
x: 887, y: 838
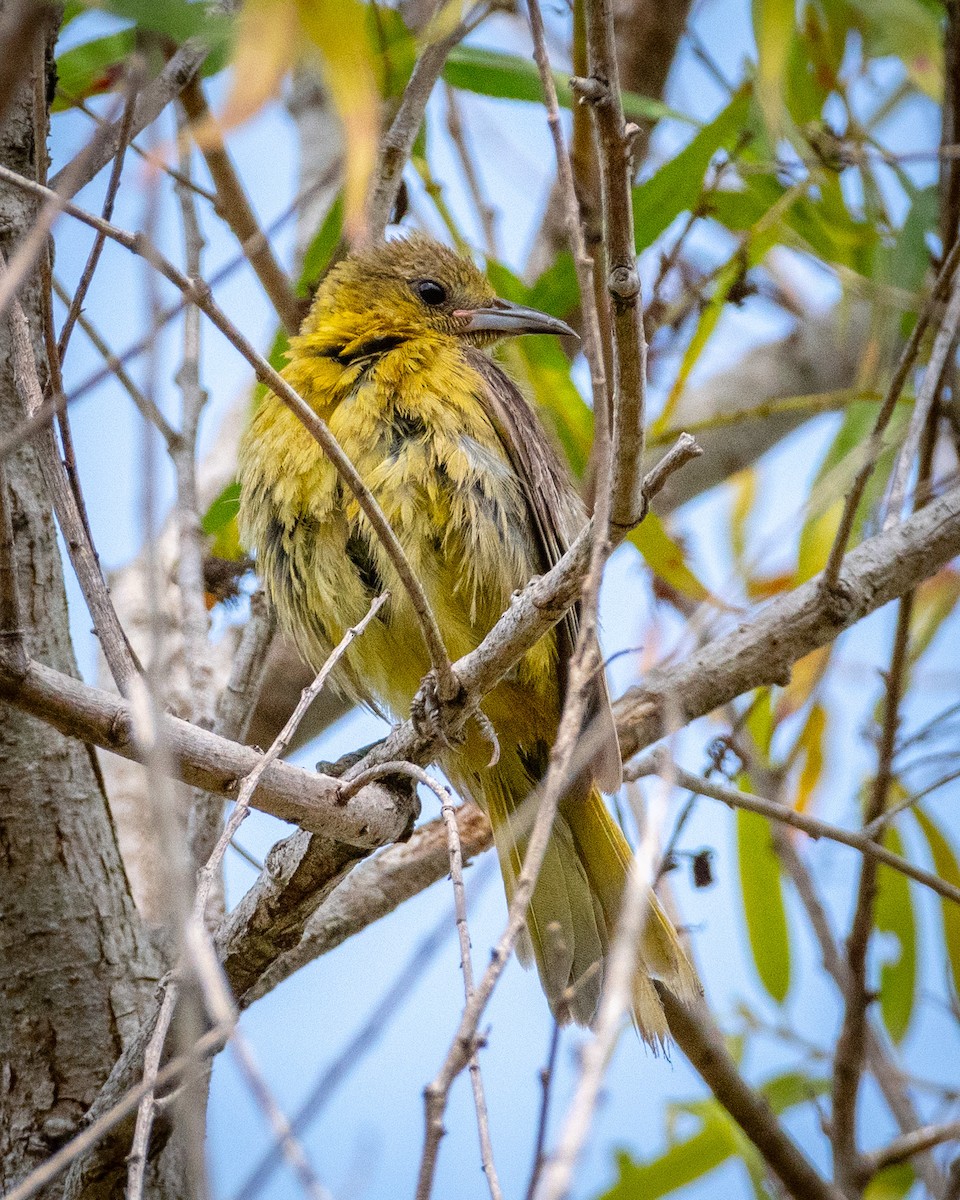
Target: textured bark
x: 76, y: 967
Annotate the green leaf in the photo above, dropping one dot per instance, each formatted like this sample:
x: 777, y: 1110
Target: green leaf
x: 680, y: 1165
x: 894, y: 915
x: 91, y: 68
x: 891, y: 1184
x: 773, y: 26
x: 904, y: 29
x: 946, y: 866
x: 176, y: 19
x: 762, y: 892
x: 666, y: 558
x: 678, y: 186
x: 792, y: 1088
x: 222, y: 510
x: 511, y: 77
x: 318, y: 256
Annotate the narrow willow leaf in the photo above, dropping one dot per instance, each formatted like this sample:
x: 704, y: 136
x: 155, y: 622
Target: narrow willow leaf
x: 511, y: 77
x: 773, y: 26
x: 894, y: 915
x: 811, y: 743
x: 678, y: 186
x: 763, y: 906
x: 92, y: 68
x: 666, y: 558
x: 682, y: 1164
x: 946, y: 865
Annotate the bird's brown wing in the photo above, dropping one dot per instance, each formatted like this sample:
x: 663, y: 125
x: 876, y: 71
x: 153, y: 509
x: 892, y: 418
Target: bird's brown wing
x: 557, y: 515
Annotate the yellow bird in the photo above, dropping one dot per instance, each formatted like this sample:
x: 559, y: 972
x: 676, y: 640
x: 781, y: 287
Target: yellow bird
x: 391, y: 358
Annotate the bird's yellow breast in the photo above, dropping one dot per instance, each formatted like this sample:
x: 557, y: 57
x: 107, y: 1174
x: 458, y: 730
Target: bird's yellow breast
x: 413, y: 424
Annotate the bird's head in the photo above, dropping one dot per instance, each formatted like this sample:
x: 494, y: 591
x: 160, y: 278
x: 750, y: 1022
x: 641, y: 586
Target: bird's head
x: 402, y: 290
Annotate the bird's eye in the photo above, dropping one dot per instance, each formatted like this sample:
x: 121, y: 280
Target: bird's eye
x: 429, y: 291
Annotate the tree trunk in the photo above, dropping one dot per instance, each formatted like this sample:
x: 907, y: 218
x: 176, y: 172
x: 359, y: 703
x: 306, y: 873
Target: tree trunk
x: 76, y: 965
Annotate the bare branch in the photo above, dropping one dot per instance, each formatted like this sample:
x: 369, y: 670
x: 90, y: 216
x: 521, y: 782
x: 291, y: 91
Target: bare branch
x: 696, y: 1034
x: 903, y: 1148
x: 658, y: 762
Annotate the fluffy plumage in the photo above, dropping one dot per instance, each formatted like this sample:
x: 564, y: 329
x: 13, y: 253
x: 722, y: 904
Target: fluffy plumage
x: 391, y: 357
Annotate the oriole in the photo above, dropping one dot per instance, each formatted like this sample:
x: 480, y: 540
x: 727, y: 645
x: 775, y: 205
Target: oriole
x: 391, y: 358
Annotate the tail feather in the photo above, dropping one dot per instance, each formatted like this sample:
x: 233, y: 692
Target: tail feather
x: 575, y: 908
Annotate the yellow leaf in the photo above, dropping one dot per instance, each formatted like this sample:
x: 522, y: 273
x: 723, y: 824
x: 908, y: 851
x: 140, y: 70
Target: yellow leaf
x: 266, y: 47
x: 804, y: 677
x: 811, y: 742
x: 339, y: 31
x: 744, y: 485
x: 934, y: 600
x: 666, y: 558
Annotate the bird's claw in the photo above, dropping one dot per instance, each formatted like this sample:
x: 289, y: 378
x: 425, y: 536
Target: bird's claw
x: 427, y: 714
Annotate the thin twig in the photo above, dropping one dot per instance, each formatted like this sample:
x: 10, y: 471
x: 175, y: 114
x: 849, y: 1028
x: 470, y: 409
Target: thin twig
x: 113, y: 640
x: 100, y: 240
x: 399, y: 138
x: 875, y: 445
x: 656, y: 762
x: 28, y: 428
x: 151, y: 102
x: 547, y: 1073
x: 233, y: 207
x: 485, y: 211
x: 943, y: 347
x: 145, y: 406
x: 199, y: 293
x: 903, y: 1148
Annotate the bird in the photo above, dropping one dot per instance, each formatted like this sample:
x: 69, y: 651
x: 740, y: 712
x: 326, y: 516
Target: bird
x: 393, y: 356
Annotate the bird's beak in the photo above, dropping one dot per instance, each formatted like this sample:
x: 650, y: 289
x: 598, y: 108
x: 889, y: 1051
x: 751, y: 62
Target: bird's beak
x: 504, y: 318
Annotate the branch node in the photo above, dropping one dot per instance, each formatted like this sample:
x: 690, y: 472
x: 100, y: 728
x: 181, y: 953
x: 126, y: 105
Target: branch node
x: 623, y: 283
x: 591, y: 90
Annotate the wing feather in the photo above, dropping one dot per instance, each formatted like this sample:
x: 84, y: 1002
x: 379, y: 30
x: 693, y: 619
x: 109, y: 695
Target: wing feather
x: 557, y: 515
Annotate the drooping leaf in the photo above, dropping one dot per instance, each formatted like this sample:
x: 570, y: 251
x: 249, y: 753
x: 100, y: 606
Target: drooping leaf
x: 946, y: 865
x: 793, y: 1088
x: 773, y: 25
x: 339, y: 31
x: 811, y: 746
x: 744, y: 488
x: 682, y: 1164
x: 666, y: 558
x: 894, y: 915
x: 511, y: 77
x: 92, y: 68
x: 762, y: 892
x: 678, y: 185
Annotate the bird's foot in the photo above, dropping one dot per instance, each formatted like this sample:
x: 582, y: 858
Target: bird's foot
x: 429, y: 714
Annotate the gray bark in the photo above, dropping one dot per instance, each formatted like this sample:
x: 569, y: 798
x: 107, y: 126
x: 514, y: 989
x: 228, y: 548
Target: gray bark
x: 76, y: 967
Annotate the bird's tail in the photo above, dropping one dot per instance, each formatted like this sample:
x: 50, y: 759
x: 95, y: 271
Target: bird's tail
x: 574, y: 910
